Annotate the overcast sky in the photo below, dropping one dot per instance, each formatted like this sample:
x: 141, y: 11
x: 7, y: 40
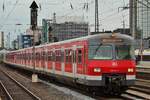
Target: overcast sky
x: 14, y: 12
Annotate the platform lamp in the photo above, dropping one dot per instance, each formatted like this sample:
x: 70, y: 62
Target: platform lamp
x: 34, y: 14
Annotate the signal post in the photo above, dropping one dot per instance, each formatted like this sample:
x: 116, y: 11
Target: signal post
x: 34, y: 9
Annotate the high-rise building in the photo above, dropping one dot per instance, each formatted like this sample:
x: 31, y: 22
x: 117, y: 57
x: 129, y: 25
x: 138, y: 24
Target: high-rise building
x: 140, y: 18
x: 140, y: 22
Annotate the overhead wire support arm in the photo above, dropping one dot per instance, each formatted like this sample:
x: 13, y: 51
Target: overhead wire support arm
x: 96, y: 17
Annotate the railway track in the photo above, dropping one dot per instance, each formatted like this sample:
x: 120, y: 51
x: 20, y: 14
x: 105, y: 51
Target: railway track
x: 139, y: 91
x: 4, y: 94
x: 15, y: 90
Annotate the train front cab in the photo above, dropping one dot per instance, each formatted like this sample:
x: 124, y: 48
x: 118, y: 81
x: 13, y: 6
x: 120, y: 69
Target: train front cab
x: 111, y: 63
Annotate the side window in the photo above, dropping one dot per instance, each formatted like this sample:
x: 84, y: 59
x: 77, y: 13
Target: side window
x: 57, y: 55
x: 43, y: 55
x: 70, y: 56
x: 79, y: 56
x: 67, y: 54
x: 62, y: 56
x: 29, y: 56
x: 36, y: 56
x: 54, y: 56
x: 49, y: 56
x: 40, y: 55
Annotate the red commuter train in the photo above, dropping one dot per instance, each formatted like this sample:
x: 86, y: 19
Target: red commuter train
x: 101, y: 61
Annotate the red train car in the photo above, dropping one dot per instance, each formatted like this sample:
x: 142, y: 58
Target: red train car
x: 103, y: 60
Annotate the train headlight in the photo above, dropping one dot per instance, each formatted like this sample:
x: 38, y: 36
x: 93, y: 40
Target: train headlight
x: 130, y: 69
x: 97, y: 69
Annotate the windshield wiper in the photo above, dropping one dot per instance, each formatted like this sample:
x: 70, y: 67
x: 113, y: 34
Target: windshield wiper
x: 98, y: 48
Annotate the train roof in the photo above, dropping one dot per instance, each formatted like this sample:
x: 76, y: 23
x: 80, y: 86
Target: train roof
x: 89, y: 37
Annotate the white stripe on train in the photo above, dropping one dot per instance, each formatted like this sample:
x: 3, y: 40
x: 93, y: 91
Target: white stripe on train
x: 68, y: 74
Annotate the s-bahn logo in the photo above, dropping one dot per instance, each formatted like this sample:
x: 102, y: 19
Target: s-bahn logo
x: 114, y: 64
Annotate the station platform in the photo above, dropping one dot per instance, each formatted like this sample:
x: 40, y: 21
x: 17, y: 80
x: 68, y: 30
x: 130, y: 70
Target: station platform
x: 143, y: 66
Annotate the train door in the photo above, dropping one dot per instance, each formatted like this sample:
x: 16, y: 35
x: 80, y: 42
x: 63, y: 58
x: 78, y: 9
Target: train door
x: 25, y: 61
x: 22, y: 58
x: 30, y: 54
x: 80, y: 61
x: 62, y: 61
x: 42, y: 58
x: 74, y: 61
x: 37, y: 58
x: 46, y: 59
x: 27, y: 57
x: 50, y: 59
x: 54, y: 59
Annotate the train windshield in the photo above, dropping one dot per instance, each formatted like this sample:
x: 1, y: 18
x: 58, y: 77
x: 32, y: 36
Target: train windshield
x: 124, y: 52
x: 100, y: 52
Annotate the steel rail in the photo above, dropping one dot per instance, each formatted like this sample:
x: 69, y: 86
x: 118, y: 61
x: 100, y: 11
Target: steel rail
x: 6, y: 91
x: 23, y: 87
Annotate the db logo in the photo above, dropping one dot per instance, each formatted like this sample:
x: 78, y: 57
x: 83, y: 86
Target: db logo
x: 114, y: 64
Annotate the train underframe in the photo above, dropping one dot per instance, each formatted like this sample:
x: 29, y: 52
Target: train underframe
x: 112, y: 84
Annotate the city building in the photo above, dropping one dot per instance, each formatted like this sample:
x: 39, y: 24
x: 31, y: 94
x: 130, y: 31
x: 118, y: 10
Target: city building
x: 45, y: 26
x: 25, y: 41
x: 1, y: 40
x: 69, y: 30
x: 140, y: 20
x: 38, y: 34
x: 15, y: 44
x: 61, y: 28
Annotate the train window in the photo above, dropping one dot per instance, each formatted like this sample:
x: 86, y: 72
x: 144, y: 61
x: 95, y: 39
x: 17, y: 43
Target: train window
x: 50, y: 56
x: 79, y: 56
x: 54, y: 56
x: 124, y: 52
x: 36, y: 56
x: 100, y: 52
x: 43, y: 55
x: 28, y: 56
x: 62, y: 56
x: 39, y: 56
x: 67, y: 55
x: 58, y: 55
x: 74, y: 56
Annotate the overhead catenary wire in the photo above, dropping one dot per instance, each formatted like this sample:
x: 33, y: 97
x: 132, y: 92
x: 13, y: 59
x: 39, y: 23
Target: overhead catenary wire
x: 75, y: 10
x: 10, y: 12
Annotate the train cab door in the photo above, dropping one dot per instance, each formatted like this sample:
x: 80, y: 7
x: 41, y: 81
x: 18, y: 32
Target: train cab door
x: 74, y: 61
